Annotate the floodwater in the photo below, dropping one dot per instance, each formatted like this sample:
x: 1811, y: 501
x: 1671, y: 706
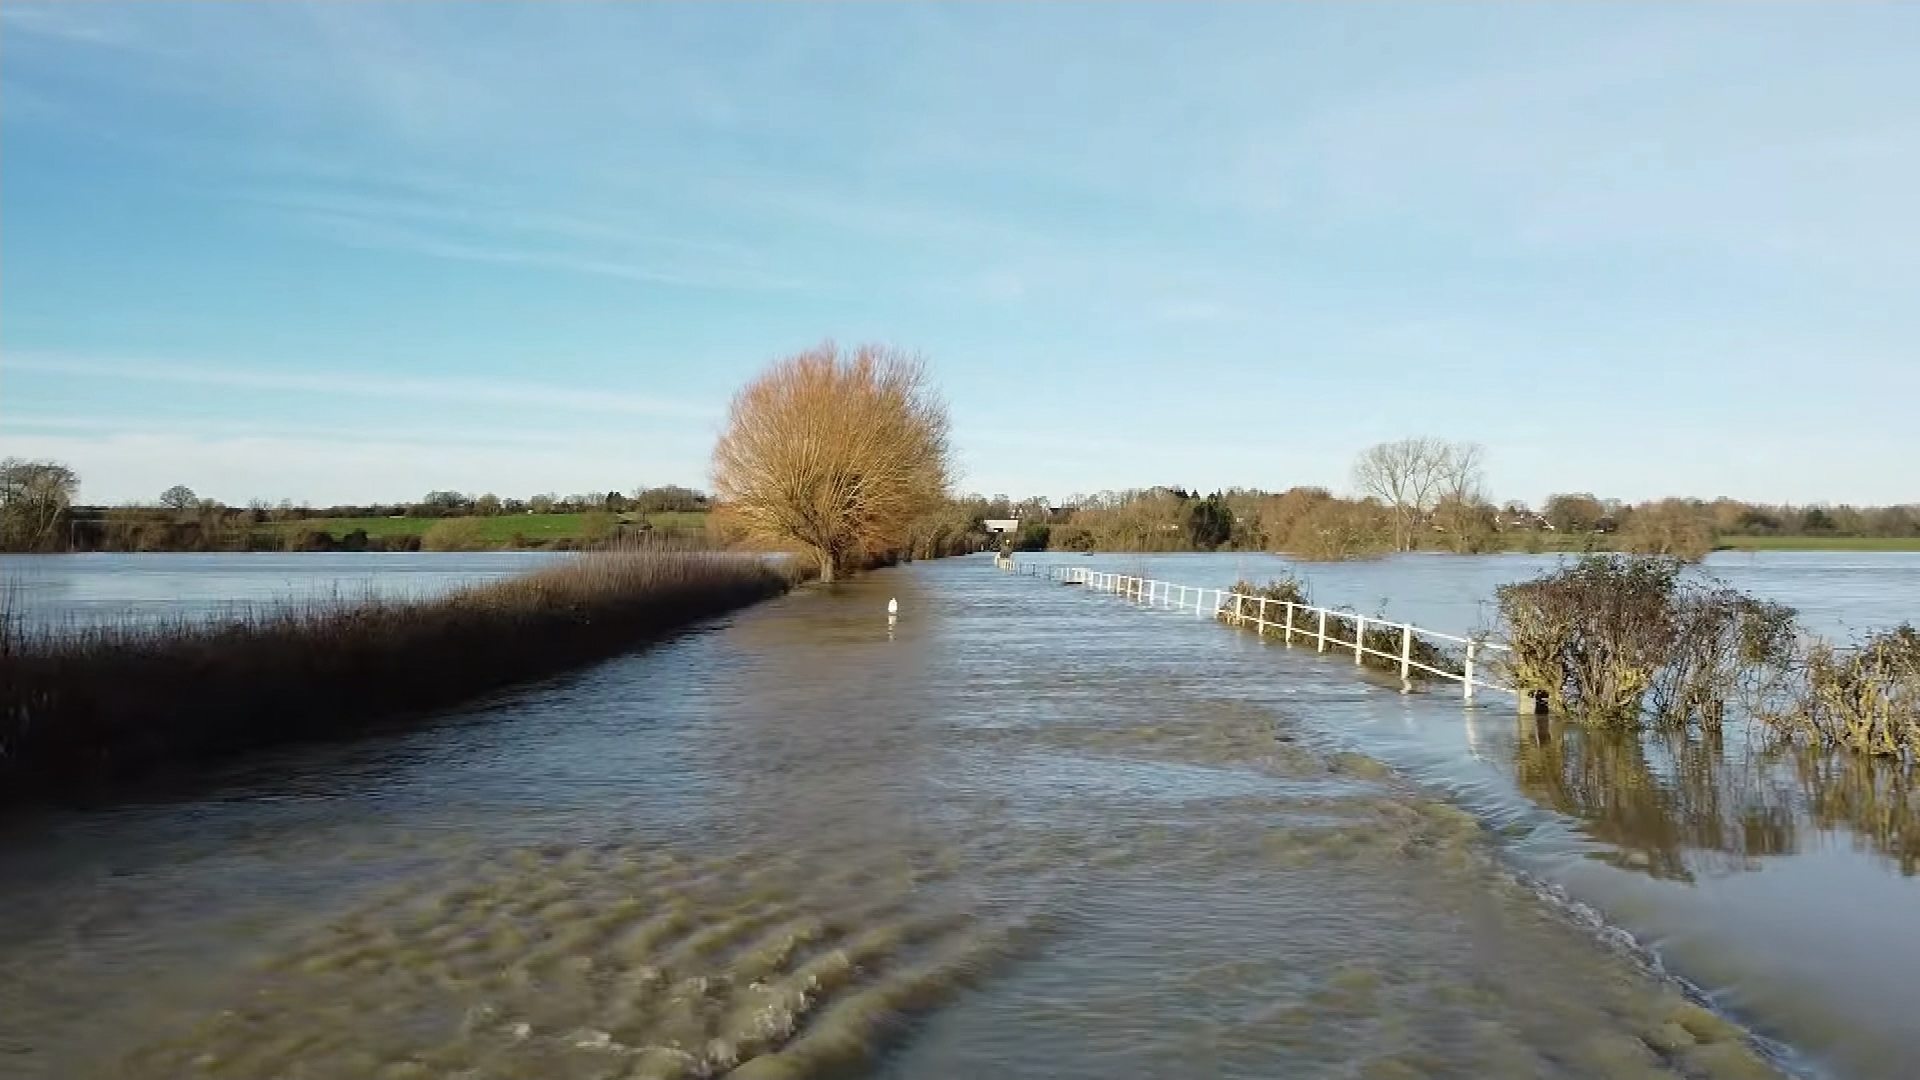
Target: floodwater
x: 68, y: 590
x: 1024, y: 830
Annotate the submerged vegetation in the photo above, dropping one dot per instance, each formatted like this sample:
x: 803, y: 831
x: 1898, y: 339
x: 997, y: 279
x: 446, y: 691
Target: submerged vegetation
x: 1611, y: 638
x: 1865, y: 697
x: 1623, y: 640
x: 1382, y: 642
x: 106, y: 703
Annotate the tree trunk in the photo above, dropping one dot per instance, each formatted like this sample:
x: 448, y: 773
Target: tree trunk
x: 826, y: 566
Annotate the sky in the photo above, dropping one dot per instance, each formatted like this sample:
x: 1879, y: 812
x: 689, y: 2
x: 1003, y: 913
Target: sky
x: 343, y: 253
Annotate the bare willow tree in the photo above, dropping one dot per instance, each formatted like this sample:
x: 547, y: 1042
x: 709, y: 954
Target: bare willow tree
x: 836, y: 453
x: 1412, y: 476
x: 34, y: 499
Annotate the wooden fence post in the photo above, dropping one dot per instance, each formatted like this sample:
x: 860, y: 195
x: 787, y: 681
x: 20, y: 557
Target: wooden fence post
x: 1359, y: 639
x: 1323, y: 630
x: 1468, y: 682
x: 1406, y: 657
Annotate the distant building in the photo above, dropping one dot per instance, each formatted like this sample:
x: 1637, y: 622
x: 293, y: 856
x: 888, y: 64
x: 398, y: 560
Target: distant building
x: 1002, y: 525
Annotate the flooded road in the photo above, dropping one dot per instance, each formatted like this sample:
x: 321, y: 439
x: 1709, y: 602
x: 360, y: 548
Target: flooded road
x: 1022, y: 832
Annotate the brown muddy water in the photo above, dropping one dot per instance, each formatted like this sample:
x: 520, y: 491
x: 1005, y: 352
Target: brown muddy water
x: 1023, y: 831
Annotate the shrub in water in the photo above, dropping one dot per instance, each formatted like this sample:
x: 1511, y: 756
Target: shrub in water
x: 1865, y: 698
x: 1612, y: 638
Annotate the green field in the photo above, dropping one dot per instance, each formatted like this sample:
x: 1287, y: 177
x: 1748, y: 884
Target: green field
x: 1821, y: 543
x: 494, y: 530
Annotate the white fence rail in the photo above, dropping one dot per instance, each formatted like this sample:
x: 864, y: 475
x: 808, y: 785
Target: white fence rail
x: 1305, y: 621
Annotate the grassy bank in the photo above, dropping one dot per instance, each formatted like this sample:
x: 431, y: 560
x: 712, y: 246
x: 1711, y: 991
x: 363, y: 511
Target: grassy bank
x: 1819, y: 543
x: 1599, y: 543
x: 498, y: 531
x: 146, y: 530
x: 89, y: 709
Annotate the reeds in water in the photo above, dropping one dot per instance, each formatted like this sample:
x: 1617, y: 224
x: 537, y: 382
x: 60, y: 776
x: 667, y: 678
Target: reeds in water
x: 90, y: 706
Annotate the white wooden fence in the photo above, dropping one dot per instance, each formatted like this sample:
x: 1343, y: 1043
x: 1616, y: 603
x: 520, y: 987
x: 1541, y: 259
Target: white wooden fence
x: 1288, y: 619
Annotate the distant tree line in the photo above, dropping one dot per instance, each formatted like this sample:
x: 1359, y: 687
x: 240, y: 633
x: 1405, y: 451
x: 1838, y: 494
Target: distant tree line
x: 38, y: 513
x: 1421, y: 493
x: 442, y: 504
x: 1414, y: 494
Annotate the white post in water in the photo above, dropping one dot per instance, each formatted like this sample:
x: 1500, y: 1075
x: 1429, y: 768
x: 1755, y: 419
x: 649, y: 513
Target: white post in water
x: 1261, y: 625
x: 1406, y: 657
x: 1359, y: 638
x: 1289, y: 622
x: 1468, y: 682
x: 1323, y: 630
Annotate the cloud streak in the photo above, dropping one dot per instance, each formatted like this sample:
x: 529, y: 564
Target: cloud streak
x: 439, y: 388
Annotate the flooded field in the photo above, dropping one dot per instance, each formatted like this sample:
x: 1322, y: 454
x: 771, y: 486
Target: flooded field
x: 62, y: 590
x: 1025, y: 831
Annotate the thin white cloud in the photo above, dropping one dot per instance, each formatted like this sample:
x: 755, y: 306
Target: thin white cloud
x: 1196, y: 311
x: 473, y: 209
x: 81, y: 24
x: 444, y: 389
x: 493, y: 432
x: 372, y: 233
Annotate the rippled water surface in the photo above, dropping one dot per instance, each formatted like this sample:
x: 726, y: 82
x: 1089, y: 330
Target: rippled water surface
x: 1026, y: 831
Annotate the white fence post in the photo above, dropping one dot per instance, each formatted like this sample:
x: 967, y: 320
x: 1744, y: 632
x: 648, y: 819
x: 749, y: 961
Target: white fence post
x: 1468, y: 681
x: 1149, y: 591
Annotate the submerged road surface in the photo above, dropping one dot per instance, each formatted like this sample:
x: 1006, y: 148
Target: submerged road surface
x: 1021, y: 831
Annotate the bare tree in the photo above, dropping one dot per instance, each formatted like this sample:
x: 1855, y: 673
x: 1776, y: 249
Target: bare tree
x: 835, y: 453
x: 1463, y: 509
x: 1411, y: 476
x: 180, y: 498
x: 1463, y: 474
x: 1670, y: 527
x: 34, y: 497
x: 1574, y: 513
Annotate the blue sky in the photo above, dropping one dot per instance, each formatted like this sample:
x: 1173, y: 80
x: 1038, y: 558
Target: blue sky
x: 348, y: 252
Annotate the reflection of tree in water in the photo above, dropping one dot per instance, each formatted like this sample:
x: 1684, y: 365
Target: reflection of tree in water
x: 1876, y: 800
x: 1667, y: 822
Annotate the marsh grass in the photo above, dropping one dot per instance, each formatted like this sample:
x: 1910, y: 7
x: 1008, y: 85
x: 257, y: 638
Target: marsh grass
x: 87, y: 706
